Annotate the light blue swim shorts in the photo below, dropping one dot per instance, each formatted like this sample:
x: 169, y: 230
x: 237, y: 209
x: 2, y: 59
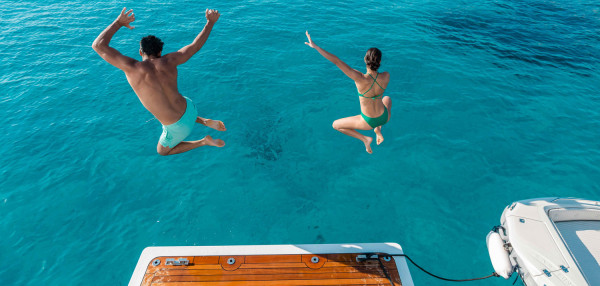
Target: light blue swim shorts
x: 174, y: 133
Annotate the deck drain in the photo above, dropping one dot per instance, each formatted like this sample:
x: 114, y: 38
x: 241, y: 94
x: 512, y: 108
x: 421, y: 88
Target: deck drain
x: 231, y: 261
x: 314, y: 259
x: 156, y: 262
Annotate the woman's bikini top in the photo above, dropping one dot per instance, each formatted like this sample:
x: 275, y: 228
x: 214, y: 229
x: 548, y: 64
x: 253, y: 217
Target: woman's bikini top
x: 374, y: 82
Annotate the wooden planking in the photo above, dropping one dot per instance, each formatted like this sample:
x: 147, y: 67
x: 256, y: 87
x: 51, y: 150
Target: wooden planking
x: 147, y: 279
x: 345, y: 257
x: 392, y: 271
x: 273, y: 265
x: 395, y: 277
x: 272, y: 259
x: 199, y: 260
x: 331, y: 269
x: 327, y: 264
x: 377, y: 281
x: 287, y: 270
x: 350, y: 260
x: 191, y: 267
x: 266, y: 277
x: 365, y: 263
x: 275, y: 276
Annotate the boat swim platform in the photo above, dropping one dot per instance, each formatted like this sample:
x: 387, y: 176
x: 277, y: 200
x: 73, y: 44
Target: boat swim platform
x: 253, y: 265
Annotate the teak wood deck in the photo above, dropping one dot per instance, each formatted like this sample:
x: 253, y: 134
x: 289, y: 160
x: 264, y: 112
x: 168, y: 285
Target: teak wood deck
x: 254, y: 270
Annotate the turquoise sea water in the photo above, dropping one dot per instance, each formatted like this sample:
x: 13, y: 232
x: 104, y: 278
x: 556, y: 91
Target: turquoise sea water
x: 493, y: 101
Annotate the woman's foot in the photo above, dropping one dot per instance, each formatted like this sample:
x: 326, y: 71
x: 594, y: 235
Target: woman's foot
x: 213, y: 142
x: 367, y: 142
x: 379, y: 137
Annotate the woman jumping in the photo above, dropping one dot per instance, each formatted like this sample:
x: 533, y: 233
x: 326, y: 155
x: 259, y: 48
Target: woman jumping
x: 375, y: 109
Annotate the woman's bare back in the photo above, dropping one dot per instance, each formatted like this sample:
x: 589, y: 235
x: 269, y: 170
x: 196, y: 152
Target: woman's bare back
x: 368, y: 106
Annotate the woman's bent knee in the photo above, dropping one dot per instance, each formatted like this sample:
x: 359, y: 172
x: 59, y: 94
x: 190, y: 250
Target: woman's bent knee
x: 336, y: 125
x: 386, y: 100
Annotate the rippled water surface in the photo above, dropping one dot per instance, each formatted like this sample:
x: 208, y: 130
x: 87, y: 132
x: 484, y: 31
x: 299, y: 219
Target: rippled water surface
x: 493, y: 101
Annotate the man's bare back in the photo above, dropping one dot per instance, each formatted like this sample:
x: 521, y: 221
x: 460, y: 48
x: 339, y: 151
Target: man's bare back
x: 154, y: 80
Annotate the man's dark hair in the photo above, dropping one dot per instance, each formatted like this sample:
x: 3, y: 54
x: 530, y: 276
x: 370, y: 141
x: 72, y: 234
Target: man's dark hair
x: 151, y: 45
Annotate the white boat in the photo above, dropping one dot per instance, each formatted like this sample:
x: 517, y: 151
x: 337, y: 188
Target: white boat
x: 548, y: 241
x: 309, y: 264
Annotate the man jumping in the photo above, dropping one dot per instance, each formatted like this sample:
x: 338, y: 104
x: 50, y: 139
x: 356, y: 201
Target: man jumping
x: 154, y: 80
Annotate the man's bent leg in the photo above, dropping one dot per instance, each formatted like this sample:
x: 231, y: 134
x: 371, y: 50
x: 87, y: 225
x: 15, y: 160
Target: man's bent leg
x: 189, y: 145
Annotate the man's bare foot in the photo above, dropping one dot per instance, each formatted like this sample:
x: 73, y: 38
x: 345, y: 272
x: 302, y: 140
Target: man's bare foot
x: 215, y: 124
x: 367, y: 142
x: 213, y: 142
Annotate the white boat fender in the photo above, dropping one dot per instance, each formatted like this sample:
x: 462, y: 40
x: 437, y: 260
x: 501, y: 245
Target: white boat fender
x: 499, y: 255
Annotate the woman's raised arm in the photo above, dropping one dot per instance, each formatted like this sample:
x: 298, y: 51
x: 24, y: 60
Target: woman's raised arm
x: 350, y: 72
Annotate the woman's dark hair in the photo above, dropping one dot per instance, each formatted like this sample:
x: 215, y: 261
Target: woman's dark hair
x: 151, y: 45
x: 373, y: 58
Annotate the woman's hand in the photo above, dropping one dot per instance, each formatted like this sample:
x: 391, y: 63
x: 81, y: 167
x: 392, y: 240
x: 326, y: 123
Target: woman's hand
x: 124, y: 19
x: 310, y: 43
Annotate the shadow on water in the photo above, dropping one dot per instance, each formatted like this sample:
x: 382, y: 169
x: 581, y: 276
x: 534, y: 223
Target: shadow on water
x: 263, y: 137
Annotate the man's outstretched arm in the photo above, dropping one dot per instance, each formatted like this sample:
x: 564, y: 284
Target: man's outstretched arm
x: 185, y: 53
x: 109, y: 54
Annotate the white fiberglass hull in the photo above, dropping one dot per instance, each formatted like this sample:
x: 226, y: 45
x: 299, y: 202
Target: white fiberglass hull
x: 553, y: 241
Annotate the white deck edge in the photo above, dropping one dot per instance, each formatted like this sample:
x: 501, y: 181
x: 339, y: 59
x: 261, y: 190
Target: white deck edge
x: 151, y: 253
x: 403, y: 271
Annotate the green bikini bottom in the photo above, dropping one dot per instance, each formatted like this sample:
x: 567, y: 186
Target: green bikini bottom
x: 376, y: 121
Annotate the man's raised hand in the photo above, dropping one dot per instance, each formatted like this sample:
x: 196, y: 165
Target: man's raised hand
x: 126, y: 17
x: 212, y: 15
